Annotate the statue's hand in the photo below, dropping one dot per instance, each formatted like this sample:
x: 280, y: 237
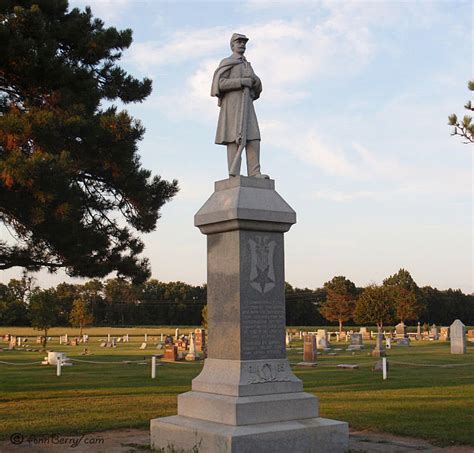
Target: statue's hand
x: 247, y: 82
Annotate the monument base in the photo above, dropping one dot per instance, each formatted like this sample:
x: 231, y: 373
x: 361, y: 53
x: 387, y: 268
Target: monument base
x: 311, y: 435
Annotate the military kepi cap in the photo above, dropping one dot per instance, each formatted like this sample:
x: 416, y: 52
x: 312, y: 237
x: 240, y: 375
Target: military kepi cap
x: 237, y: 36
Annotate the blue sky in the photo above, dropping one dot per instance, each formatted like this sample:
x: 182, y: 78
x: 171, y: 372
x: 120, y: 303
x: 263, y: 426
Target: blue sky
x: 353, y: 117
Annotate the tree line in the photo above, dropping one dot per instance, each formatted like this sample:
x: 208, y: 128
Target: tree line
x: 117, y: 302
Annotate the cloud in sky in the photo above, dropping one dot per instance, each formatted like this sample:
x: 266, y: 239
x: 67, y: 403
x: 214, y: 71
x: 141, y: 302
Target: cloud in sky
x: 107, y: 10
x: 288, y: 52
x: 338, y: 196
x: 353, y: 115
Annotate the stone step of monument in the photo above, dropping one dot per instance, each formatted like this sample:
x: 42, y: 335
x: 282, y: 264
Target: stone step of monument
x: 307, y: 435
x: 247, y: 410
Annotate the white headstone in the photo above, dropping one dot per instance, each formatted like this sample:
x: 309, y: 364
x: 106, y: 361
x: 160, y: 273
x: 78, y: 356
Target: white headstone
x: 53, y: 357
x: 191, y: 355
x: 458, y: 337
x: 322, y: 339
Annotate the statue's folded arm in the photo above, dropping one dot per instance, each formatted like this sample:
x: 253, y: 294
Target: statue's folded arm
x: 229, y: 84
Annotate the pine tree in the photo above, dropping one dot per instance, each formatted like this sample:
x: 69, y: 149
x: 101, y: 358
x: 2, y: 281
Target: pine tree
x: 464, y: 127
x: 72, y: 189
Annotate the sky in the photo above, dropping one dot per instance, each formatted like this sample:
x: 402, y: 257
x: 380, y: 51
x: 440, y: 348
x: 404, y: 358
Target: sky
x: 353, y: 118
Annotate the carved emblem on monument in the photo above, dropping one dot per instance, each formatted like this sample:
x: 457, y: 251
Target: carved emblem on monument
x: 268, y: 372
x: 262, y: 273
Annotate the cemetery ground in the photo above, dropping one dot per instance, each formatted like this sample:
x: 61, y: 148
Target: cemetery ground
x: 429, y: 393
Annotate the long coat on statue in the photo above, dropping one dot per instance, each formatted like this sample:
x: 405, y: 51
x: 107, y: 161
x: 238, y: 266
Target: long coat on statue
x: 227, y: 86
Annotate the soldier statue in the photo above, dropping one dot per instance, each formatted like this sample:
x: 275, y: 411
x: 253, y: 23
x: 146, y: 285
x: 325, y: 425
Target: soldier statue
x: 236, y: 86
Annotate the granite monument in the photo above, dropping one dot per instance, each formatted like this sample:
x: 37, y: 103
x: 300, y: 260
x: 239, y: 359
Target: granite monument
x: 246, y: 398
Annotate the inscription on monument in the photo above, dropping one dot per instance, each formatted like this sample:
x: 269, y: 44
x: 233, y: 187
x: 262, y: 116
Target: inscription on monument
x: 262, y: 329
x: 262, y: 272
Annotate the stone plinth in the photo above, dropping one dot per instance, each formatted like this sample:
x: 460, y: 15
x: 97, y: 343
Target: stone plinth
x: 246, y: 398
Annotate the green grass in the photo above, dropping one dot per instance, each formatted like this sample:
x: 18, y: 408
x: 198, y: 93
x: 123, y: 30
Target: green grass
x: 431, y: 402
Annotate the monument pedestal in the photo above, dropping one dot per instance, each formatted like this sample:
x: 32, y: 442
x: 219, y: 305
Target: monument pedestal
x: 246, y: 398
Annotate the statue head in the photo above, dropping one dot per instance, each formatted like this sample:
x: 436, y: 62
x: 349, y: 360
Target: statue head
x: 238, y: 43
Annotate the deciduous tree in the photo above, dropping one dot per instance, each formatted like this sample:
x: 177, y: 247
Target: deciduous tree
x: 375, y: 305
x: 80, y: 315
x: 406, y: 295
x: 340, y: 302
x: 44, y: 311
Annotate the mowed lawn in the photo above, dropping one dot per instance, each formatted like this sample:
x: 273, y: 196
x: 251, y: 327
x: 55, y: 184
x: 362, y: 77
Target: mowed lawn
x: 429, y: 392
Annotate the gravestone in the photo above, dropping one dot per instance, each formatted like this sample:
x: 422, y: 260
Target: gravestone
x: 191, y: 355
x: 444, y: 334
x: 403, y: 342
x: 182, y: 345
x: 200, y: 339
x: 401, y: 330
x: 434, y: 335
x: 365, y: 333
x: 171, y: 353
x: 379, y: 350
x: 458, y: 337
x: 470, y: 335
x: 309, y: 348
x: 356, y: 342
x: 418, y: 331
x: 379, y: 366
x: 322, y: 339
